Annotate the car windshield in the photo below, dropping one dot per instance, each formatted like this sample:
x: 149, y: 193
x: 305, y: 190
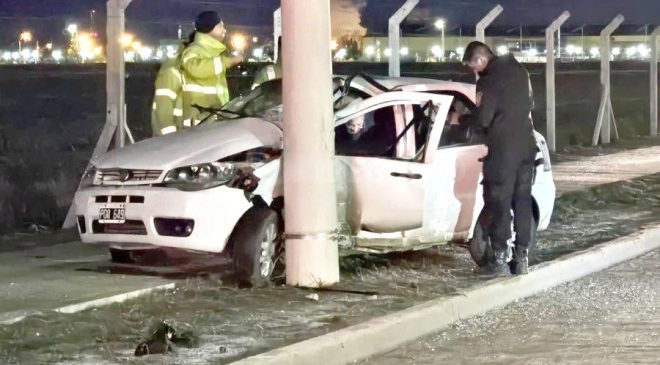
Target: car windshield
x: 259, y: 101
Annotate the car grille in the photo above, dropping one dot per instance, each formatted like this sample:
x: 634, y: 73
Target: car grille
x: 130, y: 227
x: 114, y: 176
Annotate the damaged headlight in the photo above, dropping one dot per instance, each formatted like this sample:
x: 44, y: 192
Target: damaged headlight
x: 88, y: 177
x: 202, y: 176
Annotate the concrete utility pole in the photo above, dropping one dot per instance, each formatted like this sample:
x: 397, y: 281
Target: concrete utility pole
x: 312, y: 258
x: 277, y: 32
x: 486, y: 21
x: 654, y: 81
x: 115, y: 77
x: 550, y: 78
x: 395, y: 36
x: 605, y: 110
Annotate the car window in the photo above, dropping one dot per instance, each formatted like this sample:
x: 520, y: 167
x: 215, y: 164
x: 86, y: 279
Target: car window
x: 371, y: 135
x: 461, y: 127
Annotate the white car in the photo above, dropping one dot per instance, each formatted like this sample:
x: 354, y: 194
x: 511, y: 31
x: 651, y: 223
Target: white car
x: 407, y: 177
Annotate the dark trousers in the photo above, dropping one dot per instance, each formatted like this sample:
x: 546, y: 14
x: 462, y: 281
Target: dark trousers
x: 508, y: 185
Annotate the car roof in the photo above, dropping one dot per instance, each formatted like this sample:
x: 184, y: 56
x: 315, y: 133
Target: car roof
x: 416, y: 84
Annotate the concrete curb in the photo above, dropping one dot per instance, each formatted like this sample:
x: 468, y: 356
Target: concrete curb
x: 387, y: 333
x: 13, y: 317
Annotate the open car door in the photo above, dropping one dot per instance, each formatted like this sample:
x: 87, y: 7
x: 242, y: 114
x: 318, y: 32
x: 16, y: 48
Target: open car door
x: 383, y: 159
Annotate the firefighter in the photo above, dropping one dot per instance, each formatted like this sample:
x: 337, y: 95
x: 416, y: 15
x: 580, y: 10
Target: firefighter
x: 167, y: 111
x: 205, y: 63
x: 504, y: 111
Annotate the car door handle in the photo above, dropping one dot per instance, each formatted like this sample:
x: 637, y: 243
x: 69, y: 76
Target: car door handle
x: 407, y: 176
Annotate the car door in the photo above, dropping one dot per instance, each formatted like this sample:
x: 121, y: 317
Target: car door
x: 383, y: 159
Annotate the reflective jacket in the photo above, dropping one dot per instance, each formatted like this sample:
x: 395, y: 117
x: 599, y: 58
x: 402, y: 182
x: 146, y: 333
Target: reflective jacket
x: 270, y: 72
x: 167, y: 112
x: 204, y: 64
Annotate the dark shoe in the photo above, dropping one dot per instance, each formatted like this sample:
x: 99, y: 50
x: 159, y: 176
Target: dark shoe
x: 496, y: 269
x: 522, y: 262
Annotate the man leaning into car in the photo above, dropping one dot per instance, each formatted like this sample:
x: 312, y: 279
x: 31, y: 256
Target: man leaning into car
x: 504, y: 112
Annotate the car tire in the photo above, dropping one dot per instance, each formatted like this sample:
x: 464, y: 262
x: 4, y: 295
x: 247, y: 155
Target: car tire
x: 480, y: 248
x: 479, y: 245
x: 258, y: 247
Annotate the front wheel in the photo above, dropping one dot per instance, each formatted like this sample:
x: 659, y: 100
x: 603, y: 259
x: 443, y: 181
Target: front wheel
x: 257, y: 247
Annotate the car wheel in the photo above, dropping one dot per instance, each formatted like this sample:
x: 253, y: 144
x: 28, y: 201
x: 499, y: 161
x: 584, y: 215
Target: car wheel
x: 479, y: 245
x: 257, y: 247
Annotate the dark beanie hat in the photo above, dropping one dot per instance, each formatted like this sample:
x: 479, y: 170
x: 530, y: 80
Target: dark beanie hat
x: 206, y: 21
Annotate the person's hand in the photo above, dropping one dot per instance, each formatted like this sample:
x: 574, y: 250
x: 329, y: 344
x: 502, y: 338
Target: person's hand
x: 235, y: 60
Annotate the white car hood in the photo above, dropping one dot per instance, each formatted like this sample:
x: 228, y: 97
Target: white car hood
x: 205, y: 143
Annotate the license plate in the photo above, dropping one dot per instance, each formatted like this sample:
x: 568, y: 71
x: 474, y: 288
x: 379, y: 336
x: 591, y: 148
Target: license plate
x: 112, y: 214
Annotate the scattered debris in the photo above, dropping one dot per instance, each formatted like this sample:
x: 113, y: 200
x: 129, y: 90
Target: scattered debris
x: 313, y: 296
x: 164, y: 339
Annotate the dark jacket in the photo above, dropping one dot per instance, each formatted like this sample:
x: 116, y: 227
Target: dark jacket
x: 505, y: 107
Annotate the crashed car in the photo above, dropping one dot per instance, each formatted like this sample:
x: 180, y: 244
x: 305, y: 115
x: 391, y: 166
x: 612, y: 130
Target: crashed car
x: 408, y: 172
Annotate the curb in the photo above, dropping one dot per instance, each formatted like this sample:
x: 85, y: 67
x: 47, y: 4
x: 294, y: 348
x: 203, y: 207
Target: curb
x: 387, y: 333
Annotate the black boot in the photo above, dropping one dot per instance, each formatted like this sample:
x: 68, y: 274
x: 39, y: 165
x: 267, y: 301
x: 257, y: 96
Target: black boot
x: 498, y: 267
x: 522, y: 261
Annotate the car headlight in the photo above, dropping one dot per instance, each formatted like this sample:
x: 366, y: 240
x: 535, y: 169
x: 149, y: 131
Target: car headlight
x: 202, y: 176
x: 88, y: 177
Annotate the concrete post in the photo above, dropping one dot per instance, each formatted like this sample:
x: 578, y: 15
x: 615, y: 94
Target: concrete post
x: 485, y: 22
x: 395, y: 36
x: 550, y: 78
x: 605, y: 53
x: 310, y: 208
x: 277, y: 32
x: 115, y: 75
x: 654, y: 81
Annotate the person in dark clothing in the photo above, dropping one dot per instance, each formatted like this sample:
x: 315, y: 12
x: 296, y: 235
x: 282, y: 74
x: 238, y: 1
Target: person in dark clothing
x: 504, y: 111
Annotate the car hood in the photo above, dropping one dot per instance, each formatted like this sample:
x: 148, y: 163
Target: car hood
x: 204, y: 143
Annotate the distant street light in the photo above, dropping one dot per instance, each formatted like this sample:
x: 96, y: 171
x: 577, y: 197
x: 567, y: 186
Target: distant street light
x: 334, y: 45
x: 49, y: 46
x: 370, y: 51
x: 24, y: 37
x: 436, y: 51
x: 58, y: 55
x: 440, y: 24
x: 404, y: 51
x: 594, y: 51
x: 126, y: 40
x: 502, y: 50
x: 72, y: 29
x: 239, y: 42
x: 616, y: 51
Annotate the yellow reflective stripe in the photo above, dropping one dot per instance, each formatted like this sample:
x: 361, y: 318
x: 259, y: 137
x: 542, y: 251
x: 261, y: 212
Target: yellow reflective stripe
x: 154, y: 106
x: 176, y: 73
x: 217, y: 63
x: 178, y: 112
x: 208, y: 90
x: 187, y: 123
x: 168, y: 130
x: 196, y: 121
x: 166, y: 92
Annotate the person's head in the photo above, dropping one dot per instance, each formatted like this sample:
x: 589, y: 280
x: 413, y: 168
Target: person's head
x: 209, y: 22
x: 477, y: 56
x: 355, y: 125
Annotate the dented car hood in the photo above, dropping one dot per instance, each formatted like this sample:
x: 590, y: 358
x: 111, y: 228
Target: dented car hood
x: 202, y: 144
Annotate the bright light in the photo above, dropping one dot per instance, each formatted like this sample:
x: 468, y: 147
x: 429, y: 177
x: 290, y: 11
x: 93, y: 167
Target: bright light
x: 502, y: 50
x: 532, y: 52
x: 25, y: 53
x: 49, y: 46
x: 171, y: 52
x: 643, y: 51
x: 239, y: 42
x: 341, y: 54
x: 160, y: 54
x: 126, y: 40
x: 436, y: 51
x: 137, y: 46
x: 370, y: 51
x: 72, y: 29
x: 129, y: 56
x: 146, y: 53
x: 404, y: 51
x: 440, y: 23
x: 570, y: 49
x: 616, y: 51
x: 594, y: 52
x: 58, y: 55
x: 631, y: 51
x: 579, y: 50
x: 26, y: 36
x: 35, y: 54
x: 6, y: 56
x: 255, y: 39
x: 98, y: 51
x: 460, y: 51
x: 15, y: 56
x: 258, y: 53
x: 388, y: 52
x: 334, y: 45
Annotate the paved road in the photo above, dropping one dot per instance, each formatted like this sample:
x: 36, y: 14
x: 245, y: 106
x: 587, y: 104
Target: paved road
x: 612, y: 317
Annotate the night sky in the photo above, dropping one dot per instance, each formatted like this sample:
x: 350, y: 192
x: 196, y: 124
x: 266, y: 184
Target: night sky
x: 156, y: 19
